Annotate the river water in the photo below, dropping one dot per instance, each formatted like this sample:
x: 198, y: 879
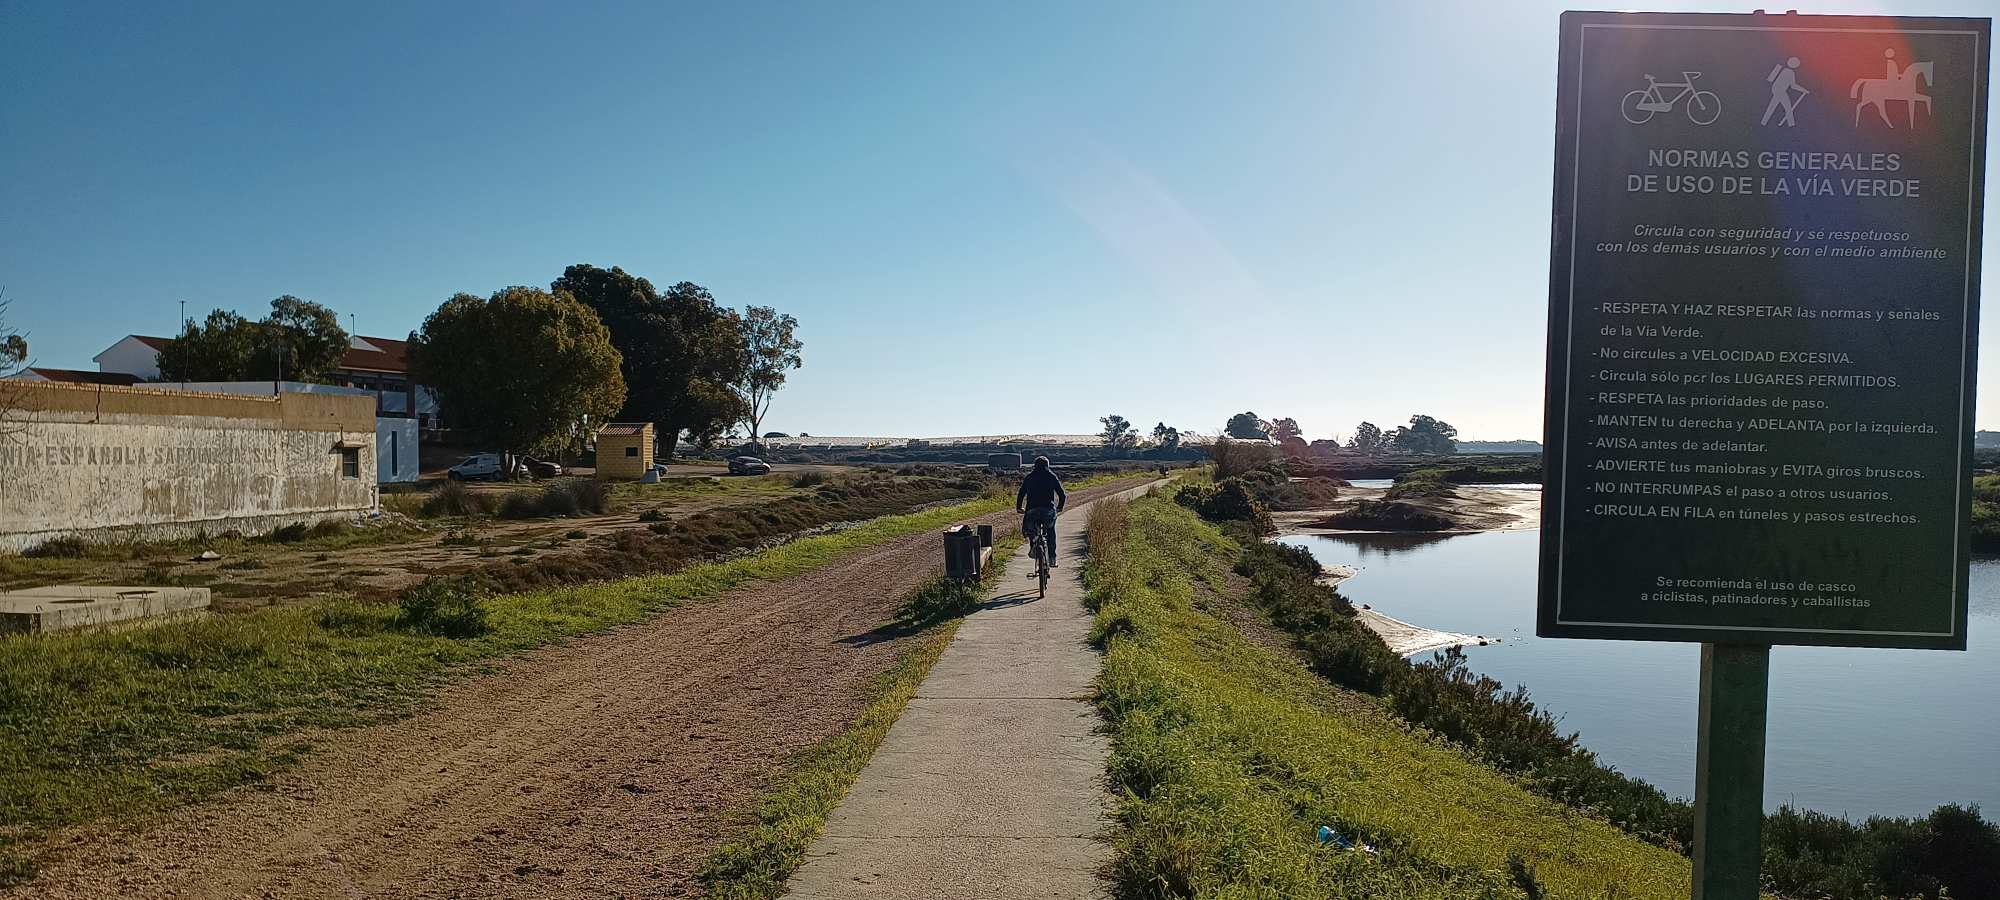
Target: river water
x: 1853, y: 732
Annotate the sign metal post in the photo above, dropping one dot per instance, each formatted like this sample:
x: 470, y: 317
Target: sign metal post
x: 1729, y: 771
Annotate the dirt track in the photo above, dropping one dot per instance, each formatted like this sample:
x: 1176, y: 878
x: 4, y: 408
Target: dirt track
x: 602, y: 768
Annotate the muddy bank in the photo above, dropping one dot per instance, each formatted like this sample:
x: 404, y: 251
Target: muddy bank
x: 1461, y: 509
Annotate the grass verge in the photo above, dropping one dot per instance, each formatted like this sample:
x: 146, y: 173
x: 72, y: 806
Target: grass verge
x: 119, y: 724
x: 1229, y: 755
x: 755, y: 864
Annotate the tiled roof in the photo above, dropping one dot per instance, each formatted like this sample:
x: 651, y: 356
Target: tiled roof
x: 393, y: 357
x: 625, y: 428
x: 78, y: 376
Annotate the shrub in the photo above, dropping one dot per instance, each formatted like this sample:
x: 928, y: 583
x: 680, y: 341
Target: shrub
x: 809, y: 478
x: 576, y: 496
x: 69, y: 547
x: 453, y: 498
x: 1230, y: 501
x: 1232, y: 458
x: 1388, y: 515
x: 1420, y: 483
x: 652, y: 515
x: 328, y: 528
x: 566, y: 497
x: 446, y: 607
x: 576, y: 534
x: 290, y: 534
x: 521, y: 505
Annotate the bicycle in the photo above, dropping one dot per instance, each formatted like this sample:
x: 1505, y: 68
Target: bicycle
x: 1703, y: 108
x: 1038, y: 547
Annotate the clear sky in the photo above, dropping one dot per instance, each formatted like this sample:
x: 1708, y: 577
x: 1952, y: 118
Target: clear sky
x: 988, y: 217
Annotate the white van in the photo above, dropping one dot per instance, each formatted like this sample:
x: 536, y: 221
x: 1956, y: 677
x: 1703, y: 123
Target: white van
x: 475, y: 467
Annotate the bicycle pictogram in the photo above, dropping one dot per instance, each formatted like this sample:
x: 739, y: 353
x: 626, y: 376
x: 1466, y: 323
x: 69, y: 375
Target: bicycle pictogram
x: 1702, y: 108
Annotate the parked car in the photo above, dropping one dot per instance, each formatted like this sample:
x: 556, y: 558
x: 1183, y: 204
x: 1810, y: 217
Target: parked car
x: 542, y: 468
x: 748, y: 465
x: 480, y: 467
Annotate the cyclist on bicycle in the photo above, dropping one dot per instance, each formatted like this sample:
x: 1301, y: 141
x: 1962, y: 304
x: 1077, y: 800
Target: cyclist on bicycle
x: 1040, y: 498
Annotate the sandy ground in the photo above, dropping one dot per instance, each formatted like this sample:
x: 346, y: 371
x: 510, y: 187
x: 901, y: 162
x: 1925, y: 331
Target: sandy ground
x: 608, y: 767
x: 264, y: 574
x: 1481, y: 509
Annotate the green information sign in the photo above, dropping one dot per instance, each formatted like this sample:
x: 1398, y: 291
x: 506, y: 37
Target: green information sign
x: 1764, y: 297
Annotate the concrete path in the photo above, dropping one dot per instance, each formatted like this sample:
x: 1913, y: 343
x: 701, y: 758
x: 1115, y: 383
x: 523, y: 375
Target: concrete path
x: 992, y: 783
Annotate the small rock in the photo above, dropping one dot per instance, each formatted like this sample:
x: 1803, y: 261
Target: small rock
x: 208, y: 556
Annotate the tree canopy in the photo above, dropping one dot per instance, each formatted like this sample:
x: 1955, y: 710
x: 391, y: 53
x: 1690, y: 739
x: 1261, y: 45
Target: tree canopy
x: 1284, y: 428
x: 1118, y: 433
x: 526, y: 370
x: 13, y: 360
x: 1165, y: 436
x: 309, y: 337
x: 772, y: 351
x: 298, y: 341
x: 1425, y: 435
x: 683, y: 355
x: 1368, y: 438
x: 221, y: 348
x: 1246, y: 426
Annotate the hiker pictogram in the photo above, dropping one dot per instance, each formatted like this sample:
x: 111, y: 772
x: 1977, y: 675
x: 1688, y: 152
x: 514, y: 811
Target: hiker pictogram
x: 1785, y: 92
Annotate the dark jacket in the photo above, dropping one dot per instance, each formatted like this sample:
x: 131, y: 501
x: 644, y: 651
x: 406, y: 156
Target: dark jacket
x: 1040, y: 488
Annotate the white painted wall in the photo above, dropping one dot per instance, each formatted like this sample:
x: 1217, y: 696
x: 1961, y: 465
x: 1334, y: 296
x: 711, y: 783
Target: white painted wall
x: 395, y: 450
x: 396, y: 457
x: 164, y: 477
x: 130, y: 356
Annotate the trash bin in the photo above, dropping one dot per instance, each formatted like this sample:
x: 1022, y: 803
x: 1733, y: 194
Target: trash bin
x: 962, y: 554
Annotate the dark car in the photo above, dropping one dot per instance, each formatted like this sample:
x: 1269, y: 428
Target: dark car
x: 748, y: 465
x: 542, y: 468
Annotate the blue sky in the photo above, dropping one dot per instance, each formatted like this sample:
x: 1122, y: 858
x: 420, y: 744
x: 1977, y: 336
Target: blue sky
x: 987, y: 217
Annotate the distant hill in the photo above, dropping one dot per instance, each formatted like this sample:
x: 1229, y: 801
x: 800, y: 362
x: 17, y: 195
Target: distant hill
x: 1528, y: 446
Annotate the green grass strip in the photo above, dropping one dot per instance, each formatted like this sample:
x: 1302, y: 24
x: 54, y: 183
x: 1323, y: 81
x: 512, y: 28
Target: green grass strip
x: 1229, y: 755
x: 118, y: 724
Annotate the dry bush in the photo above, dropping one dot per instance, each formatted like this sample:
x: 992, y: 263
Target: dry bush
x: 453, y: 498
x: 1106, y: 527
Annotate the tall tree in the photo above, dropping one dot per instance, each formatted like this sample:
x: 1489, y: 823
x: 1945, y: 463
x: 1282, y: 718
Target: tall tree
x: 1425, y: 435
x: 1165, y: 436
x: 306, y: 338
x: 1246, y: 426
x: 13, y: 361
x: 1367, y: 438
x: 526, y: 370
x: 1118, y: 433
x: 299, y: 341
x: 772, y: 351
x: 222, y: 348
x: 1285, y: 428
x: 683, y: 354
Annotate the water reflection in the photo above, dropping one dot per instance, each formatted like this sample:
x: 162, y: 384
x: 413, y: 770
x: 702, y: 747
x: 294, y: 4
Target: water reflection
x: 1373, y: 543
x: 1854, y: 732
